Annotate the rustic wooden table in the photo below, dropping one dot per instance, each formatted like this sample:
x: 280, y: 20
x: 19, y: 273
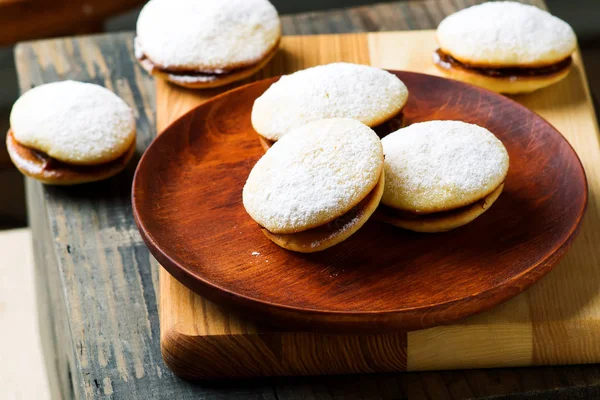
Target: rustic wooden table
x: 98, y: 284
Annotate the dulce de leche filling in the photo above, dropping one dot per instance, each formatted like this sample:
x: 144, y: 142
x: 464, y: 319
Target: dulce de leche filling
x: 447, y: 62
x: 38, y: 162
x: 149, y: 65
x: 195, y: 75
x: 320, y: 235
x: 406, y: 215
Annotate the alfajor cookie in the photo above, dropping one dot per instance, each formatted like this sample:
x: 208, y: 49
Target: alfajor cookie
x: 339, y: 90
x: 441, y: 175
x: 68, y: 132
x: 317, y: 185
x: 505, y: 46
x: 209, y: 43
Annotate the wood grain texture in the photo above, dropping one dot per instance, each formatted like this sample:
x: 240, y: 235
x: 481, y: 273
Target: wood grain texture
x: 381, y: 279
x: 86, y: 343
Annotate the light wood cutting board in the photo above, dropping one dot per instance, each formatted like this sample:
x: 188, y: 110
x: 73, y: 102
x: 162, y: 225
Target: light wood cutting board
x: 555, y: 322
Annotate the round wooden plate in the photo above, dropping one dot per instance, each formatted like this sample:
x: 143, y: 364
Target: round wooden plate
x: 187, y: 196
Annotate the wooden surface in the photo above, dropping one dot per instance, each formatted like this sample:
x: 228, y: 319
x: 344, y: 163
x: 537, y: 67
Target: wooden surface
x: 101, y: 285
x: 381, y: 279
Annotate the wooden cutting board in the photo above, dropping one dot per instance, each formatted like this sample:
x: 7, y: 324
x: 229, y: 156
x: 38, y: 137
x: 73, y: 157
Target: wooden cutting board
x: 554, y: 322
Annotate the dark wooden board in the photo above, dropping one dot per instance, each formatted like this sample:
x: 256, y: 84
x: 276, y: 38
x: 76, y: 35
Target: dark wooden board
x: 75, y: 234
x: 187, y: 202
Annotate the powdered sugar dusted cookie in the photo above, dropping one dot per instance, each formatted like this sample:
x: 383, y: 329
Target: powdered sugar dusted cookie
x: 319, y: 180
x: 339, y: 90
x: 59, y: 131
x: 435, y: 169
x: 74, y: 122
x: 206, y: 43
x: 505, y: 46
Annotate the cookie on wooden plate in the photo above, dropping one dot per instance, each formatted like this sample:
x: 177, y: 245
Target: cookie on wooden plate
x: 318, y: 185
x: 207, y: 43
x: 65, y: 133
x: 505, y: 46
x: 441, y: 175
x: 339, y: 90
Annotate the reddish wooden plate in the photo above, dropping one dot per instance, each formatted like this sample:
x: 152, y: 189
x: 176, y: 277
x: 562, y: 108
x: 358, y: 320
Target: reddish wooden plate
x: 187, y: 204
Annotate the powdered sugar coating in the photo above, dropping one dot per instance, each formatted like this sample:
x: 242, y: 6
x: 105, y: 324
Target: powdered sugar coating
x: 339, y: 90
x: 506, y: 34
x: 208, y: 34
x: 74, y: 122
x: 441, y: 165
x: 313, y: 175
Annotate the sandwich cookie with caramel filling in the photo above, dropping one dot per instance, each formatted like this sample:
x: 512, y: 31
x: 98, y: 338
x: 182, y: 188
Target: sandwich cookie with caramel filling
x: 440, y: 175
x: 317, y: 185
x: 208, y: 43
x: 504, y: 46
x: 65, y: 133
x: 340, y: 90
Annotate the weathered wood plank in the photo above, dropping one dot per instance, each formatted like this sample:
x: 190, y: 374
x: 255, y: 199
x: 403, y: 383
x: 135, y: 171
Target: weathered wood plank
x: 51, y: 305
x: 102, y: 283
